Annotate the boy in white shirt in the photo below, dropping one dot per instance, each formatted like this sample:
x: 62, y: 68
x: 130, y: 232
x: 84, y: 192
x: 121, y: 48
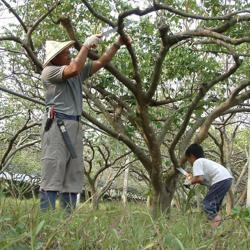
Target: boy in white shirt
x: 211, y: 174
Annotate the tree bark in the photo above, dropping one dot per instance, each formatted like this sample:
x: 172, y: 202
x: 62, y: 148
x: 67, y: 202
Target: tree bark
x: 163, y: 196
x: 229, y: 202
x: 125, y: 187
x: 94, y: 198
x: 248, y: 181
x: 242, y: 198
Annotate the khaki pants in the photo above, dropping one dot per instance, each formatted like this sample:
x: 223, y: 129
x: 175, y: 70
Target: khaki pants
x: 59, y: 171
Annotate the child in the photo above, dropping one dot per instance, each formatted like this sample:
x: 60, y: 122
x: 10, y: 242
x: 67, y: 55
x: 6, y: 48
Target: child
x: 212, y: 174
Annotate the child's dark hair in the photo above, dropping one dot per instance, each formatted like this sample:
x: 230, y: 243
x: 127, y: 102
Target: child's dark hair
x: 196, y: 150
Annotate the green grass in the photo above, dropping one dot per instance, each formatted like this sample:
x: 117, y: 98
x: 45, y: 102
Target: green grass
x: 23, y: 226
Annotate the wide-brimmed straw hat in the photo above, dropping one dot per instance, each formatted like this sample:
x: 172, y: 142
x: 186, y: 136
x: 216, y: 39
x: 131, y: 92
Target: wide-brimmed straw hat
x: 53, y: 48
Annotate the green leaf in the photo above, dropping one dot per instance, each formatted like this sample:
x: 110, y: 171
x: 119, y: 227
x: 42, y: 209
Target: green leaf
x: 39, y: 227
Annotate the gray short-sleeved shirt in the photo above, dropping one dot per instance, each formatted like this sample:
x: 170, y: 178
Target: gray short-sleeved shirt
x: 65, y: 95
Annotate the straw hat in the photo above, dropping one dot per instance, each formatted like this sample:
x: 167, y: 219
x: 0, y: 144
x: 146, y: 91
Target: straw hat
x: 53, y: 48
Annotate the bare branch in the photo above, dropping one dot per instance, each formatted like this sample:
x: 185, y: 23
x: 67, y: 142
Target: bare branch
x: 208, y: 33
x: 28, y: 49
x: 237, y: 110
x: 231, y: 22
x: 13, y: 139
x: 159, y: 6
x: 16, y: 15
x: 139, y: 152
x: 39, y: 20
x: 232, y: 101
x: 204, y: 88
x: 7, y: 116
x: 168, y: 101
x: 10, y: 156
x: 21, y: 96
x: 98, y: 15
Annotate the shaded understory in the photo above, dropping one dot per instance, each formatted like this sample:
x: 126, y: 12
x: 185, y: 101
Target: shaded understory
x: 22, y: 226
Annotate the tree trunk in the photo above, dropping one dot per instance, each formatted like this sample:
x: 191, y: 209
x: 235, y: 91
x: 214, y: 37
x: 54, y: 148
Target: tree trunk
x: 94, y: 197
x: 125, y: 187
x: 86, y: 194
x: 248, y: 181
x: 242, y: 198
x: 162, y: 198
x: 228, y: 149
x: 229, y: 202
x: 95, y: 201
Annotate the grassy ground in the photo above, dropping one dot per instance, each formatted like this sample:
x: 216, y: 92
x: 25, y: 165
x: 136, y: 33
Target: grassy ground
x: 23, y: 226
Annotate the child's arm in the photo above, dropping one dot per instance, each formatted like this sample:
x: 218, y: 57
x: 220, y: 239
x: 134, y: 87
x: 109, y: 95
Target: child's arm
x: 197, y: 179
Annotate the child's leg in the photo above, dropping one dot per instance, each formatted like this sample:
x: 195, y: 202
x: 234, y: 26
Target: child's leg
x: 216, y: 221
x: 213, y: 200
x: 68, y: 201
x: 47, y: 200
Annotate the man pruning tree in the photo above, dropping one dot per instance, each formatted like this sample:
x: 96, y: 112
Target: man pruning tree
x: 62, y: 162
x: 212, y: 174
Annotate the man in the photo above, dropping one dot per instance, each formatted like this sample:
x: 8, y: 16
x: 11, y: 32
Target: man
x: 211, y: 174
x: 62, y: 163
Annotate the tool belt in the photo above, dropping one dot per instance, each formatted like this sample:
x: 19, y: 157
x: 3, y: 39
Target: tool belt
x: 52, y: 114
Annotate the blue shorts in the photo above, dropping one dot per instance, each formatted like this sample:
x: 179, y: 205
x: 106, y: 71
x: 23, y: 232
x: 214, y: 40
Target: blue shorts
x: 215, y: 196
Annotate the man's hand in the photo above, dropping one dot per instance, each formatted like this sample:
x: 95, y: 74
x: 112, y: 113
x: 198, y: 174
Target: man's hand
x: 92, y: 41
x: 108, y: 55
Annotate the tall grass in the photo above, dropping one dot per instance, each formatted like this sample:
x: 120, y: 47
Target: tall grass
x: 23, y: 226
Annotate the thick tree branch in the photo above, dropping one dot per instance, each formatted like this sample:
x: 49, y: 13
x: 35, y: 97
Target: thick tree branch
x: 155, y: 78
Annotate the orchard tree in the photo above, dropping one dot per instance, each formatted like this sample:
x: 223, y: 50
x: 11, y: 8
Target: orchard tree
x: 187, y: 66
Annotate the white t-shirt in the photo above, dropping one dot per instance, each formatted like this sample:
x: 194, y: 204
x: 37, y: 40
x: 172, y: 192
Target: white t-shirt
x: 212, y: 171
